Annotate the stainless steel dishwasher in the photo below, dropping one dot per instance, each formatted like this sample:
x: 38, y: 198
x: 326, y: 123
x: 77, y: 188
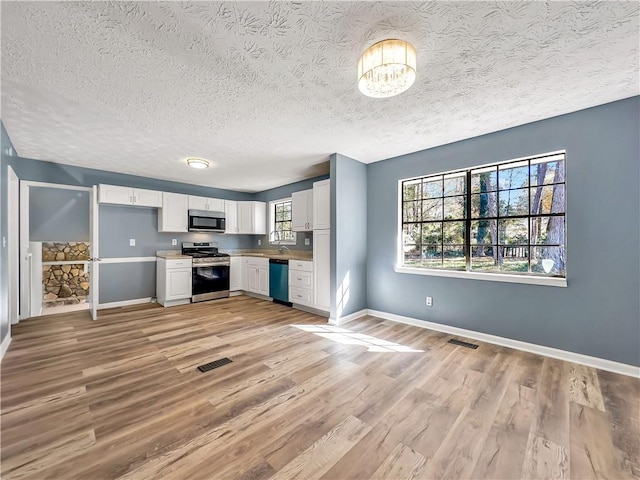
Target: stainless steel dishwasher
x: 279, y: 280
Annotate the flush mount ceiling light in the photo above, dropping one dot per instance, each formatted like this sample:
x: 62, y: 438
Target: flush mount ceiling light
x: 197, y: 162
x: 387, y: 68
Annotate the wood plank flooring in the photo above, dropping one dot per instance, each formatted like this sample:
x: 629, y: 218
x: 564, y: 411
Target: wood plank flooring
x: 121, y: 398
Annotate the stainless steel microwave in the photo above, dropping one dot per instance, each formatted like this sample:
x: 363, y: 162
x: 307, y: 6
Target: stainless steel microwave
x: 206, y: 221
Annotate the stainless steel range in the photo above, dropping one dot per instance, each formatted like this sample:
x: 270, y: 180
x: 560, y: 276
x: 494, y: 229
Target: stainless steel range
x: 210, y: 279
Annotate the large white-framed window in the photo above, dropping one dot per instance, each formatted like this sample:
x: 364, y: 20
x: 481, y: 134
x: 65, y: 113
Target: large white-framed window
x: 280, y: 223
x: 503, y: 222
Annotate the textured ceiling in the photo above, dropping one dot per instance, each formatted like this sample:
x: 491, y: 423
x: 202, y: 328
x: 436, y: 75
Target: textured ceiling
x: 267, y: 90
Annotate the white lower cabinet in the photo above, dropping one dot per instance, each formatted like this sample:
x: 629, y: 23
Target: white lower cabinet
x: 173, y: 285
x: 301, y: 282
x: 235, y: 274
x: 321, y: 269
x: 258, y: 275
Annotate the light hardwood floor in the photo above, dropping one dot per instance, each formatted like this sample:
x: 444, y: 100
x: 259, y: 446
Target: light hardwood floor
x: 121, y: 398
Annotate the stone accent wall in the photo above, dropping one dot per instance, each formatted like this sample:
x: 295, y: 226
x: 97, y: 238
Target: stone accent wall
x: 53, y: 251
x: 64, y: 284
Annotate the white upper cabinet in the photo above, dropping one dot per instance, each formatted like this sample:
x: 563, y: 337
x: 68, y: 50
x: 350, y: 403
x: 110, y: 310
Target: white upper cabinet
x: 252, y: 218
x: 137, y: 197
x: 302, y: 211
x: 321, y: 205
x: 173, y: 216
x: 231, y: 216
x: 197, y: 203
x: 147, y: 198
x: 206, y: 203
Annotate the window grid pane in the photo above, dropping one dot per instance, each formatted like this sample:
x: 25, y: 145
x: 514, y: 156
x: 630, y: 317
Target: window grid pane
x: 508, y: 218
x: 282, y: 222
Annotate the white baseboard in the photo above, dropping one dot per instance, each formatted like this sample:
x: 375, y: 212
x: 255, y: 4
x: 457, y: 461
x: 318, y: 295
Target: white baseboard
x: 314, y: 311
x: 595, y: 362
x: 348, y: 318
x: 125, y: 303
x: 4, y: 346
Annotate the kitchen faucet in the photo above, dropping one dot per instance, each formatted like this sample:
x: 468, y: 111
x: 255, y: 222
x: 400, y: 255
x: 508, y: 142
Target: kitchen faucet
x: 277, y: 237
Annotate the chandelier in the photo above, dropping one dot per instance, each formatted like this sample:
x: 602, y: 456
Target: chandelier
x: 387, y: 68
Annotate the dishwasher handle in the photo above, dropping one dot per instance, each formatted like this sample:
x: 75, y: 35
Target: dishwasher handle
x: 280, y: 261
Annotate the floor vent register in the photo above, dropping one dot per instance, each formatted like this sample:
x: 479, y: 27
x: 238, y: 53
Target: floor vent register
x: 211, y: 365
x: 463, y: 344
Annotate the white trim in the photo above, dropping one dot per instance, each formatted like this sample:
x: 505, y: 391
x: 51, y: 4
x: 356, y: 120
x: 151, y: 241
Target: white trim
x: 492, y: 277
x: 55, y: 185
x: 4, y: 346
x: 127, y: 259
x: 125, y: 303
x: 595, y: 362
x: 348, y: 318
x: 314, y: 311
x: 67, y: 262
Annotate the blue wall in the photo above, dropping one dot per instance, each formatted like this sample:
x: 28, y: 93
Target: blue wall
x: 599, y: 313
x: 57, y: 215
x: 349, y: 232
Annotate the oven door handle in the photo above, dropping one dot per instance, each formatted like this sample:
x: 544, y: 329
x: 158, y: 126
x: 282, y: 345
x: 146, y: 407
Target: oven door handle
x: 196, y: 265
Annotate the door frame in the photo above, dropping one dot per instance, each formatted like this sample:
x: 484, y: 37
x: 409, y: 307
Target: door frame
x: 13, y: 239
x: 25, y: 255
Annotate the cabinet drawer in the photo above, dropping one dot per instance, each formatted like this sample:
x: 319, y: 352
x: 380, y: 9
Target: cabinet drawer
x: 178, y: 263
x: 301, y: 296
x: 301, y: 265
x: 298, y: 278
x: 258, y: 261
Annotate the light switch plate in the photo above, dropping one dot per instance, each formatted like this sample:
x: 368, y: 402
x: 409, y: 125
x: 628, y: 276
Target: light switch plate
x: 174, y: 241
x: 132, y: 242
x: 259, y: 242
x: 307, y: 241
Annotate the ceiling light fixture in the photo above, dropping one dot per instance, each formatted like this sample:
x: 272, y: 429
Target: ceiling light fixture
x: 387, y: 68
x: 196, y: 162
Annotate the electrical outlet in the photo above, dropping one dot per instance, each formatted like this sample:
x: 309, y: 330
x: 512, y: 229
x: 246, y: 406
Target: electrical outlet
x: 429, y: 302
x: 174, y: 241
x: 307, y: 241
x: 132, y: 242
x: 259, y: 242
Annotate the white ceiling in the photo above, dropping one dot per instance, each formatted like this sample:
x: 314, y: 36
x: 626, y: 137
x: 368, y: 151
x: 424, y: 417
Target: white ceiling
x: 267, y: 90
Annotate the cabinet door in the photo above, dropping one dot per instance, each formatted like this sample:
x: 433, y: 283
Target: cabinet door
x: 215, y: 205
x: 178, y: 283
x: 245, y: 274
x: 147, y: 198
x: 235, y: 274
x: 263, y: 280
x: 259, y: 218
x: 231, y: 214
x: 173, y: 217
x: 245, y: 217
x: 309, y: 209
x: 299, y: 218
x: 115, y: 195
x: 253, y: 279
x: 321, y: 203
x: 321, y: 261
x: 198, y: 203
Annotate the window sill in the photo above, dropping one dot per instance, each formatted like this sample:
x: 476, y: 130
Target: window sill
x: 282, y: 243
x: 492, y: 277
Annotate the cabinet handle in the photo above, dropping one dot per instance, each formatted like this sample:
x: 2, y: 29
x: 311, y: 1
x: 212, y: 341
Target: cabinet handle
x: 299, y: 279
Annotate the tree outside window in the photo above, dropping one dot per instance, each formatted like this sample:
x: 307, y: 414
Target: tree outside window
x: 505, y: 218
x: 280, y: 213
